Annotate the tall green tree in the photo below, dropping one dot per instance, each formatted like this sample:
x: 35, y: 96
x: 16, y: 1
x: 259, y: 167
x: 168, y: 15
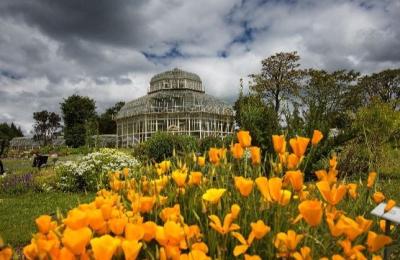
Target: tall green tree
x: 46, y: 126
x: 384, y: 85
x: 8, y: 132
x: 76, y: 112
x: 106, y: 123
x: 279, y: 78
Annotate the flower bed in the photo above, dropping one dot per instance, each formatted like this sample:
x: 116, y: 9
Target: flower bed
x: 224, y: 208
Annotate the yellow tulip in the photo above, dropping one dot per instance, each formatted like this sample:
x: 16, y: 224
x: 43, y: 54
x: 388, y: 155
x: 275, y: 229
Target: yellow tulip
x: 104, y: 247
x: 371, y: 179
x: 213, y: 195
x: 131, y: 249
x: 279, y: 143
x: 311, y: 212
x: 299, y: 145
x: 237, y: 151
x: 332, y: 195
x: 317, y: 137
x: 378, y: 197
x: 244, y: 138
x: 255, y: 153
x: 76, y: 240
x: 245, y: 186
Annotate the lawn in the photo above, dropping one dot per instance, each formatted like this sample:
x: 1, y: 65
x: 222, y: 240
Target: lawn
x: 18, y: 212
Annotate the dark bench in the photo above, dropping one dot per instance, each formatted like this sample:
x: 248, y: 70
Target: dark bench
x: 40, y: 160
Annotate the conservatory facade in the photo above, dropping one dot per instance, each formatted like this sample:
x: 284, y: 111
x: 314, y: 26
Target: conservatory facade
x: 175, y: 102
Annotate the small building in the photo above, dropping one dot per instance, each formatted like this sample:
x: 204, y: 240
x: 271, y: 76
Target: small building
x: 176, y: 102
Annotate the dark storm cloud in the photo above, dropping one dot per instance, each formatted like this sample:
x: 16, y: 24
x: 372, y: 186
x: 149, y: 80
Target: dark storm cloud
x: 112, y: 22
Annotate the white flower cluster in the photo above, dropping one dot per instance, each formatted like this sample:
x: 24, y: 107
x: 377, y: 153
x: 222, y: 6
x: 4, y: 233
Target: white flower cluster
x: 92, y: 168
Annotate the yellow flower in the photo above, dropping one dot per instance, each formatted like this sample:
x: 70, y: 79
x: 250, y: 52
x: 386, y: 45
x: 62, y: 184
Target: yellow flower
x: 390, y: 204
x: 279, y: 143
x: 371, y: 179
x: 376, y: 242
x: 252, y: 257
x: 244, y: 138
x: 332, y: 195
x: 317, y: 137
x: 304, y: 254
x: 195, y: 178
x: 201, y: 161
x: 5, y: 253
x: 292, y: 161
x: 163, y: 167
x: 245, y: 186
x: 76, y: 240
x: 134, y: 231
x: 299, y: 145
x: 259, y: 229
x: 287, y: 242
x: 296, y: 179
x: 44, y: 224
x: 255, y: 153
x: 76, y: 219
x: 179, y: 177
x: 235, y: 209
x: 131, y: 249
x: 311, y: 212
x: 213, y: 195
x: 378, y: 197
x: 104, y: 247
x: 227, y: 227
x: 237, y: 151
x: 244, y: 245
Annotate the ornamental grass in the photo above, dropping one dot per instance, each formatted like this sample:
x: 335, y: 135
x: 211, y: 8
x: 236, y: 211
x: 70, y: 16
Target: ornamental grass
x: 222, y: 205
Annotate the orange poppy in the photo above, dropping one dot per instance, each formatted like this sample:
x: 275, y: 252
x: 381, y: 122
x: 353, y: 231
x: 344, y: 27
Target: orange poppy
x: 279, y: 143
x: 76, y: 240
x: 214, y: 155
x: 317, y: 137
x: 333, y: 195
x: 287, y: 242
x: 201, y: 161
x: 311, y: 212
x: 245, y: 186
x: 296, y: 179
x: 299, y: 145
x: 131, y: 249
x: 179, y: 176
x: 376, y: 242
x: 352, y: 252
x: 371, y: 179
x: 104, y: 247
x: 390, y: 204
x: 244, y: 138
x: 255, y: 153
x: 292, y: 161
x: 237, y: 151
x: 195, y: 178
x: 213, y: 195
x: 352, y: 189
x: 378, y: 197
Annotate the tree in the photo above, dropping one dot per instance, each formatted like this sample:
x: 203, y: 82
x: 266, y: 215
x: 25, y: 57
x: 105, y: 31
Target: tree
x: 384, y: 85
x: 77, y: 111
x: 8, y: 132
x: 106, y: 123
x: 328, y: 97
x: 279, y: 78
x: 46, y: 126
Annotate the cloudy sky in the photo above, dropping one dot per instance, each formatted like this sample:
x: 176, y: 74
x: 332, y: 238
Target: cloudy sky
x: 109, y: 50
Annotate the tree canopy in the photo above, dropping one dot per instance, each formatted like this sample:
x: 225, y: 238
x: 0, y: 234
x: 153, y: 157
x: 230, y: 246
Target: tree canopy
x: 46, y: 126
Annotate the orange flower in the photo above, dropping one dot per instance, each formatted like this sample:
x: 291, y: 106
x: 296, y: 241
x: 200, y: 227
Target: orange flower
x: 245, y: 186
x: 317, y: 137
x: 382, y: 225
x: 172, y: 213
x: 5, y: 253
x: 195, y: 178
x: 76, y: 219
x: 304, y: 254
x: 134, y: 231
x: 117, y: 225
x: 296, y: 179
x: 30, y: 251
x: 237, y: 151
x: 44, y: 224
x: 213, y: 195
x: 352, y: 189
x: 146, y: 203
x: 287, y: 242
x: 259, y: 229
x: 244, y: 138
x: 164, y: 166
x: 279, y: 143
x: 390, y: 204
x: 363, y: 223
x: 252, y: 257
x: 299, y: 145
x: 352, y: 252
x: 244, y: 245
x: 330, y: 177
x: 311, y: 212
x: 371, y: 179
x: 104, y: 247
x: 149, y: 230
x: 255, y: 153
x: 96, y: 220
x: 65, y: 254
x: 349, y: 227
x: 378, y: 197
x: 201, y: 161
x: 214, y: 155
x: 292, y: 161
x: 131, y: 249
x: 76, y: 240
x: 227, y: 227
x: 179, y: 176
x: 332, y: 195
x: 376, y: 242
x: 272, y: 190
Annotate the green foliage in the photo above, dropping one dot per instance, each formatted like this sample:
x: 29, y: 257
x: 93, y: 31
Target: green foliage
x: 77, y: 111
x: 214, y: 141
x: 8, y: 132
x: 106, y: 123
x: 46, y: 125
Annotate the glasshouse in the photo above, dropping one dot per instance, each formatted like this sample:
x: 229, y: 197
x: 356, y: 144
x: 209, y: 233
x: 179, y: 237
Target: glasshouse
x: 176, y: 102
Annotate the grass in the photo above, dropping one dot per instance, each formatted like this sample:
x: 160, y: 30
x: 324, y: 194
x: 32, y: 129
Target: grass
x: 18, y: 212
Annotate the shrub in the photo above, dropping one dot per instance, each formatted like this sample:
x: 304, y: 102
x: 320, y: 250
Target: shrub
x: 17, y: 183
x: 90, y: 172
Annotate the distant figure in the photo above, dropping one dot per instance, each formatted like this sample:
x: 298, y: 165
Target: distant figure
x: 39, y: 160
x: 2, y: 146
